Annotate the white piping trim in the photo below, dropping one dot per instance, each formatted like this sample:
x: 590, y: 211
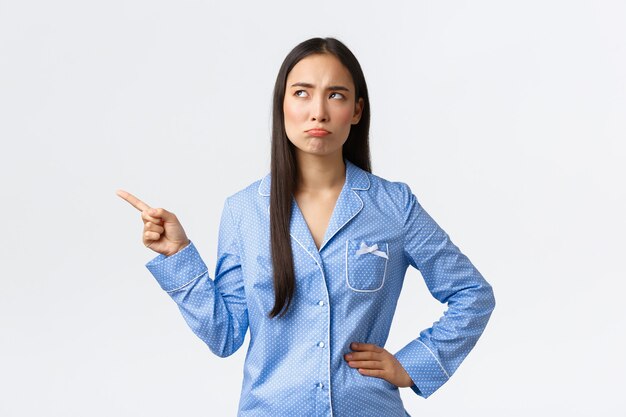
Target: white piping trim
x: 260, y: 184
x: 431, y: 352
x: 357, y: 169
x: 330, y: 397
x: 189, y: 282
x: 346, y: 222
x: 384, y: 272
x: 368, y: 183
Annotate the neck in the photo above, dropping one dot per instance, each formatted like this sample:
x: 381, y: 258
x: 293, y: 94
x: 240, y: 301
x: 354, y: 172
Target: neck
x: 317, y: 173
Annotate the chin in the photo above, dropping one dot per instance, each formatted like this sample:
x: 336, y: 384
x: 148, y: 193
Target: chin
x: 321, y: 152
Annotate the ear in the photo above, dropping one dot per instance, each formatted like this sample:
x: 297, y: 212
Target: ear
x: 358, y: 111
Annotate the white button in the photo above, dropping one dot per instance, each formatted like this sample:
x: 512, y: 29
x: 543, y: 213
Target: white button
x: 321, y: 302
x: 320, y: 344
x: 320, y: 385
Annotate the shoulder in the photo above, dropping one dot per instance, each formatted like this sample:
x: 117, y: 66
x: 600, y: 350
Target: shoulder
x: 253, y: 189
x: 373, y: 185
x: 248, y: 196
x: 397, y: 193
x: 395, y: 198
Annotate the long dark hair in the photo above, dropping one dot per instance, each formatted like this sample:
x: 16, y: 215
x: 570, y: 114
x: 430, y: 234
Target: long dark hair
x: 284, y: 167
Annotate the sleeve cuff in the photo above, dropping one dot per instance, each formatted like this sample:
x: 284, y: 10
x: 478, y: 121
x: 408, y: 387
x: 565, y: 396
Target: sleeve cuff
x: 423, y: 368
x: 178, y: 270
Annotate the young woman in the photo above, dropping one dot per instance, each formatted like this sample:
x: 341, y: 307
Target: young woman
x: 312, y: 257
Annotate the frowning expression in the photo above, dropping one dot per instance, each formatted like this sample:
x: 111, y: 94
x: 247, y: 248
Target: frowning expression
x: 320, y: 105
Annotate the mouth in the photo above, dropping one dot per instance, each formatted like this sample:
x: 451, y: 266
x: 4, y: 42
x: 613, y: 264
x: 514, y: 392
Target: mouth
x: 318, y: 132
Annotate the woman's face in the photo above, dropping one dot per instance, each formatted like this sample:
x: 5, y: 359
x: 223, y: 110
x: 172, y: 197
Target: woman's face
x: 319, y: 94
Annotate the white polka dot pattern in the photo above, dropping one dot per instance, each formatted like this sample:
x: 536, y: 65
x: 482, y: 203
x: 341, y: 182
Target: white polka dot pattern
x: 345, y: 292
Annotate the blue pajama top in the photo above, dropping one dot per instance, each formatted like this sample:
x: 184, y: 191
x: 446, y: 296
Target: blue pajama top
x: 346, y: 291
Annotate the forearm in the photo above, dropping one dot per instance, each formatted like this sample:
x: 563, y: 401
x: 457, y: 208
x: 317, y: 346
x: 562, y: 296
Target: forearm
x: 184, y: 276
x: 435, y: 355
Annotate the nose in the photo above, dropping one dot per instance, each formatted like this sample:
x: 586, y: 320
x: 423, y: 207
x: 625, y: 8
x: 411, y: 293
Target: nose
x: 319, y: 110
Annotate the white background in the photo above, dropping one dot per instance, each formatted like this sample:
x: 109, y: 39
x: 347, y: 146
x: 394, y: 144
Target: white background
x: 507, y: 119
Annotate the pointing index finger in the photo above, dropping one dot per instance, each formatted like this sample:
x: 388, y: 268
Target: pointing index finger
x: 134, y: 201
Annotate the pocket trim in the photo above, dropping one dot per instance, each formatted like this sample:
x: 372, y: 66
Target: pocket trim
x: 382, y: 283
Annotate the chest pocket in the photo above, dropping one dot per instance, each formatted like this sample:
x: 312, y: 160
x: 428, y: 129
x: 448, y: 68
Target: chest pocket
x: 366, y: 265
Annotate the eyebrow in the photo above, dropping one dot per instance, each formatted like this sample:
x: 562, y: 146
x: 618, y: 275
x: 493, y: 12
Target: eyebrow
x: 309, y: 85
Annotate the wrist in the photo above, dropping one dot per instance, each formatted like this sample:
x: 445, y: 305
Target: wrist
x: 180, y: 247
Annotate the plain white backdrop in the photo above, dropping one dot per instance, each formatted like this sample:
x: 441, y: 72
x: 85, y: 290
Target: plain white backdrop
x: 507, y: 119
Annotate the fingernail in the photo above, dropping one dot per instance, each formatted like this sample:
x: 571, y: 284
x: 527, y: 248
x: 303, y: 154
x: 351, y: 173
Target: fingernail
x: 348, y: 356
x: 354, y: 345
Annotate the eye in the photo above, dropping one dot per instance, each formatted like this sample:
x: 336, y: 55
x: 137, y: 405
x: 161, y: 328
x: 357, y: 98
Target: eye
x: 297, y: 93
x: 338, y: 94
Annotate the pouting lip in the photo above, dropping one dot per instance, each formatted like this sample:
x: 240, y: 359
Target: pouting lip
x: 317, y: 130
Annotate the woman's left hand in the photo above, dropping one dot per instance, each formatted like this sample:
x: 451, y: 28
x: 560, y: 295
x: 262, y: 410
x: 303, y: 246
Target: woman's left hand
x: 372, y: 360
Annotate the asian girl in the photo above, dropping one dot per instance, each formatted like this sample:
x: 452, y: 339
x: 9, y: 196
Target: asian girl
x: 312, y: 257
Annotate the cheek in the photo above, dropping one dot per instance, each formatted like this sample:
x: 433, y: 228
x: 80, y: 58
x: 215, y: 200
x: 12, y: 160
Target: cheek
x: 345, y: 116
x: 293, y: 112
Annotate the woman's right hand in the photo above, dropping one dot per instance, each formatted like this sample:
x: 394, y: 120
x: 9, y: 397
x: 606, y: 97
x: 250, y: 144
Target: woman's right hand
x: 162, y: 232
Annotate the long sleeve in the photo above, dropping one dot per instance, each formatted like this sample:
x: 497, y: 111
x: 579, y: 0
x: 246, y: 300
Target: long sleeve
x: 214, y: 309
x: 434, y: 356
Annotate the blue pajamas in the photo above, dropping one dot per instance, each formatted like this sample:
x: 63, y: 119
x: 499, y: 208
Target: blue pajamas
x: 346, y: 291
